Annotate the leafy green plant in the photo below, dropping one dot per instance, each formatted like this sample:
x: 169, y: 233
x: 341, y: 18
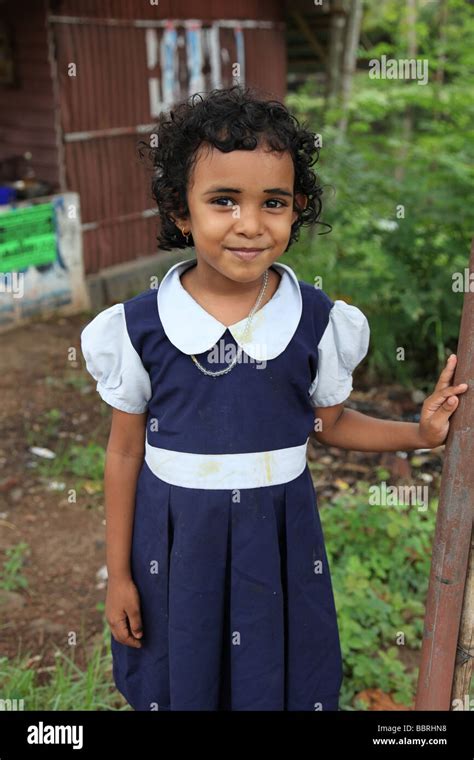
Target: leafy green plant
x: 84, y: 461
x: 380, y: 564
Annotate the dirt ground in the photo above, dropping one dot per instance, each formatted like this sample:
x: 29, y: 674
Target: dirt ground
x: 43, y: 370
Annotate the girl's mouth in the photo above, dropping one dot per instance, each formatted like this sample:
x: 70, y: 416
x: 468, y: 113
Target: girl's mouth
x: 247, y: 254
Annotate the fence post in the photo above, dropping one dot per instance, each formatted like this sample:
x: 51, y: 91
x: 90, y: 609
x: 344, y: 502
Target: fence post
x: 452, y: 539
x: 465, y: 651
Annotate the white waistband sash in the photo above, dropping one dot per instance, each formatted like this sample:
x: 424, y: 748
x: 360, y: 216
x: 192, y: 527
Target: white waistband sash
x: 251, y: 470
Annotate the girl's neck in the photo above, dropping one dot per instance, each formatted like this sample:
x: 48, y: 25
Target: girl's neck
x: 226, y: 300
x: 208, y: 280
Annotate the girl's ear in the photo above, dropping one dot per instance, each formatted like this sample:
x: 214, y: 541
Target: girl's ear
x: 301, y: 201
x: 179, y: 221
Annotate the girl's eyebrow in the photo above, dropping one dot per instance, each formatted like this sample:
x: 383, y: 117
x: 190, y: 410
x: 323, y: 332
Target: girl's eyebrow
x: 277, y: 190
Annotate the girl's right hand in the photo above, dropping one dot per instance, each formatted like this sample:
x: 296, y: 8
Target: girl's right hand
x: 122, y: 611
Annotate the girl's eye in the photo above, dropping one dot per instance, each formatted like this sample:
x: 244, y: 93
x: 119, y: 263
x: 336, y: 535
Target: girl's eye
x: 271, y: 200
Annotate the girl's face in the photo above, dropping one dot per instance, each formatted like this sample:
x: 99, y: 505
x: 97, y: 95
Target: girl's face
x: 241, y: 200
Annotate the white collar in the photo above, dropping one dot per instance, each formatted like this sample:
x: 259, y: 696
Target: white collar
x: 193, y: 330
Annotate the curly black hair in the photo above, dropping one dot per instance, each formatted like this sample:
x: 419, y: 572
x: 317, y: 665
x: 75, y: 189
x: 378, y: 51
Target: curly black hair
x: 234, y: 118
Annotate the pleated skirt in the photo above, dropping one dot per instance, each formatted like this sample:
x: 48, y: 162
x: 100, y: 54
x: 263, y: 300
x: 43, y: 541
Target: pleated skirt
x: 236, y: 601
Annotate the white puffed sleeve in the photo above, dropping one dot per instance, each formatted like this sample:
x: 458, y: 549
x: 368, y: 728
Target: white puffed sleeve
x: 111, y: 359
x: 342, y: 347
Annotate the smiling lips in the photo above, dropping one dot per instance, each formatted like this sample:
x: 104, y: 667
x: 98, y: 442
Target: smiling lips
x: 246, y: 253
x: 247, y: 249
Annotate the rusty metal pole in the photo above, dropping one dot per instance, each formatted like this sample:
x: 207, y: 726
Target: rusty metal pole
x: 452, y: 539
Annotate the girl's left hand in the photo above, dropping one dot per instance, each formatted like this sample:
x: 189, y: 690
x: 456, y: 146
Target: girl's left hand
x: 438, y: 408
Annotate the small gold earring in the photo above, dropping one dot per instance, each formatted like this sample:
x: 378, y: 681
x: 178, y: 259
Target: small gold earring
x: 185, y: 234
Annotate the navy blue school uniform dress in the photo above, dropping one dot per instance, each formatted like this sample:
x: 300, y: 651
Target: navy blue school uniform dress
x: 228, y: 551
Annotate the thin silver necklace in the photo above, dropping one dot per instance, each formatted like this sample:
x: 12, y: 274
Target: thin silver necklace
x: 247, y: 327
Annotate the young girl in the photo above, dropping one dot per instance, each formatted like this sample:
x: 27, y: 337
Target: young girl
x: 219, y: 592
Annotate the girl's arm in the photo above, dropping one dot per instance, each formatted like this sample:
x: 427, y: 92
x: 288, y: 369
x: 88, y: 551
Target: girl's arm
x: 349, y: 429
x: 124, y: 458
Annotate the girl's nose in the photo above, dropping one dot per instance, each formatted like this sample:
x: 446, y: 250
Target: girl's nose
x: 249, y: 223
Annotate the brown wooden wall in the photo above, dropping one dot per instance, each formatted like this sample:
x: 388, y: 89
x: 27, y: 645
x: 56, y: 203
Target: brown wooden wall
x: 27, y: 115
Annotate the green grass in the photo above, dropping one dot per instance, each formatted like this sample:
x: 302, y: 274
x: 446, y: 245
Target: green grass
x: 63, y: 686
x: 11, y: 578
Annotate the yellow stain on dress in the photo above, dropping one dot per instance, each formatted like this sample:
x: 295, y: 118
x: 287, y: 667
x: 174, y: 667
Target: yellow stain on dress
x: 209, y: 468
x: 267, y: 459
